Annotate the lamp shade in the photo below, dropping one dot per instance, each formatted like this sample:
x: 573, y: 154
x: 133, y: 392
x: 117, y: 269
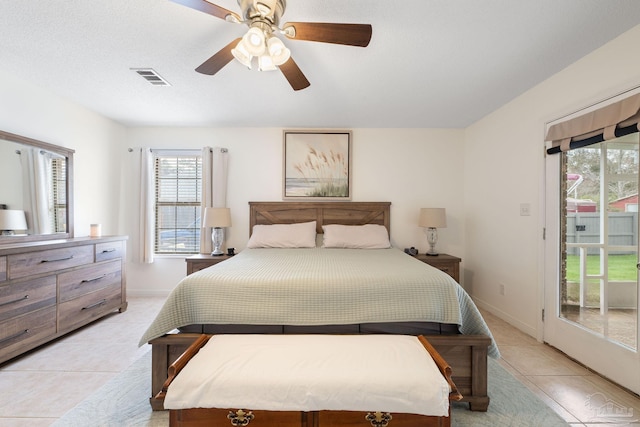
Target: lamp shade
x: 12, y: 219
x: 241, y: 54
x: 433, y: 217
x: 265, y: 63
x: 278, y: 51
x: 217, y: 217
x: 254, y: 41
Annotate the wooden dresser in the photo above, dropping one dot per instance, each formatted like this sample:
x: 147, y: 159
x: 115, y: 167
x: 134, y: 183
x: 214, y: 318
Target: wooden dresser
x: 50, y: 288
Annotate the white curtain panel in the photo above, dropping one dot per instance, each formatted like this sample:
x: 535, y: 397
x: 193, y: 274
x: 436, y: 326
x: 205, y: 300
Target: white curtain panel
x: 36, y: 175
x: 142, y: 160
x: 214, y: 187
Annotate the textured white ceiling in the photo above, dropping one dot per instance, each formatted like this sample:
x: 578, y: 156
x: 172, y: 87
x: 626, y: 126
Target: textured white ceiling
x: 430, y: 63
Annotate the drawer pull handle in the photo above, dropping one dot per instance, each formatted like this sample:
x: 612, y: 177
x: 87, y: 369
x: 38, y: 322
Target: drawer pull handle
x: 15, y: 300
x: 14, y: 336
x: 108, y: 250
x: 94, y: 305
x: 56, y: 260
x: 379, y: 419
x: 94, y: 279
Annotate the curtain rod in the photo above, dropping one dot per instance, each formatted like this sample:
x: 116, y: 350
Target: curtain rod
x: 223, y: 150
x: 43, y: 152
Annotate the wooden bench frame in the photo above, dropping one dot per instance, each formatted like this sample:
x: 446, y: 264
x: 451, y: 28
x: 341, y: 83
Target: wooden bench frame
x: 195, y: 417
x: 466, y: 354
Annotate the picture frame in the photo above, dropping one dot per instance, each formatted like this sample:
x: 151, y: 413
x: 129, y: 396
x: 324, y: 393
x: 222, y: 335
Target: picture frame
x: 316, y: 165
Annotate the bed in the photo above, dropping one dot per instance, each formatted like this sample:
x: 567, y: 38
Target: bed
x: 263, y: 290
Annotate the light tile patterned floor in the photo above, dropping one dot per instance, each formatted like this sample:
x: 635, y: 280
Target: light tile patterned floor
x: 578, y: 395
x: 41, y: 386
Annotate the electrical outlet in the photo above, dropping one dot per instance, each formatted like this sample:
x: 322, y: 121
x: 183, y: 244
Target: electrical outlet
x: 525, y: 209
x: 502, y: 292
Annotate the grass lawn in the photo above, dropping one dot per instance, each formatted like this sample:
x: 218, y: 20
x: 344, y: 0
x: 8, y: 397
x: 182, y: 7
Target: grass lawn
x: 622, y: 268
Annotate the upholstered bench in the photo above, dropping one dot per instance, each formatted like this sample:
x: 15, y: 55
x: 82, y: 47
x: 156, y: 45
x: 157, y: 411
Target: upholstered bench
x: 309, y: 381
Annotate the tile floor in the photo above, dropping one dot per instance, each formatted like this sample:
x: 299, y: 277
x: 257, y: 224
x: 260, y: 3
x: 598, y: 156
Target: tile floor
x: 41, y: 386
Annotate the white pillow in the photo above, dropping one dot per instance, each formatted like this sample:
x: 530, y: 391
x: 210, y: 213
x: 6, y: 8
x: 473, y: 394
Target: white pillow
x: 369, y: 236
x: 301, y: 235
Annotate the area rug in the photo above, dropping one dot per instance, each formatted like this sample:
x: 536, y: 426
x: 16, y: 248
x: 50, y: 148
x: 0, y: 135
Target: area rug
x: 124, y: 402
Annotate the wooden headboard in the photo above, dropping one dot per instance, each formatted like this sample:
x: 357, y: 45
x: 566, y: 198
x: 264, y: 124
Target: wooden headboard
x: 345, y: 213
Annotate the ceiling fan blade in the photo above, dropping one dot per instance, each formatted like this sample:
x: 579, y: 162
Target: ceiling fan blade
x: 349, y: 34
x: 219, y: 60
x: 210, y: 8
x: 294, y: 75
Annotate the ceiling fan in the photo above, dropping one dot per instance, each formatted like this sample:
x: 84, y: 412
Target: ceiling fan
x: 263, y: 19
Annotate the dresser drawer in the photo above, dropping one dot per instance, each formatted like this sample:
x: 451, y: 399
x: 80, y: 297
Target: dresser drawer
x: 73, y: 284
x: 449, y: 269
x: 227, y: 417
x: 31, y: 263
x: 3, y: 268
x: 443, y: 262
x: 109, y: 250
x: 24, y: 332
x: 368, y: 419
x: 22, y: 297
x: 77, y: 312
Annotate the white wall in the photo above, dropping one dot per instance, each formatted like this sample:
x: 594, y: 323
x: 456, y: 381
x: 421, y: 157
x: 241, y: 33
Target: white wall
x: 35, y: 112
x: 504, y: 165
x: 411, y: 168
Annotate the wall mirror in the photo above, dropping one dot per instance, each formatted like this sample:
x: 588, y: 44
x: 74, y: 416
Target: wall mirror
x: 36, y: 190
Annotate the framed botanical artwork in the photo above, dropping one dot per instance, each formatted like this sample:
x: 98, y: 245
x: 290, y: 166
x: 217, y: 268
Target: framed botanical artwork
x: 317, y: 165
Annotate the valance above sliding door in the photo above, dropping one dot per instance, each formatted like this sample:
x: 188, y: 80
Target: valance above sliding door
x: 609, y: 122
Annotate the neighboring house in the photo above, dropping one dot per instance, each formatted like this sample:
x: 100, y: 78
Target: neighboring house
x: 625, y: 204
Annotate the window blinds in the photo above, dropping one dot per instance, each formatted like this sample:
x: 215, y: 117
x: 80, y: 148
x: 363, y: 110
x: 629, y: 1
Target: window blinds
x: 59, y: 194
x: 178, y: 178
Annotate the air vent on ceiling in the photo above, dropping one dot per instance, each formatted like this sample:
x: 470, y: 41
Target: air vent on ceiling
x: 151, y: 76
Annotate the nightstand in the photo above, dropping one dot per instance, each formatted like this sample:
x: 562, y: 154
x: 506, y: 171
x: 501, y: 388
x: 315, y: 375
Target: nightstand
x: 201, y: 261
x: 445, y: 262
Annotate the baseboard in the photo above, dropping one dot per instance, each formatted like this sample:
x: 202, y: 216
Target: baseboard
x: 527, y: 329
x: 147, y: 293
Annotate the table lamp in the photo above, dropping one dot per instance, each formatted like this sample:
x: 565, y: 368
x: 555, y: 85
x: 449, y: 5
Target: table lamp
x: 217, y: 218
x: 12, y: 220
x: 432, y: 219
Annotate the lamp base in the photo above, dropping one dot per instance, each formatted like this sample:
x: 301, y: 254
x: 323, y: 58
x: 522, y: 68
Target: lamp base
x: 217, y: 236
x: 432, y: 238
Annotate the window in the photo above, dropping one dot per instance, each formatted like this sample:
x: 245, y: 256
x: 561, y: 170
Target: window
x: 178, y: 182
x: 599, y: 278
x: 59, y: 194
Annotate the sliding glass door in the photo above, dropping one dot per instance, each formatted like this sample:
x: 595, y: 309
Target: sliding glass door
x: 591, y: 257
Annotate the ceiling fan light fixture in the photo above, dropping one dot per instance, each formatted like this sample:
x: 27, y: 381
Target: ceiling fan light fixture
x: 254, y: 41
x: 265, y: 63
x: 241, y: 54
x: 278, y: 51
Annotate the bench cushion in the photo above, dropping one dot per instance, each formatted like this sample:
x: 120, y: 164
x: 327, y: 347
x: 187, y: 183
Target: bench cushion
x: 388, y: 373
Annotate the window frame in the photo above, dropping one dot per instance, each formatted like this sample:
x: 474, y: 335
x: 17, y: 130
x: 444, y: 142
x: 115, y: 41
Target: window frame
x: 181, y: 233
